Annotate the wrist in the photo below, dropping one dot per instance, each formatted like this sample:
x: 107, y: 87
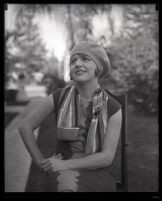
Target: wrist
x: 39, y: 163
x: 66, y: 164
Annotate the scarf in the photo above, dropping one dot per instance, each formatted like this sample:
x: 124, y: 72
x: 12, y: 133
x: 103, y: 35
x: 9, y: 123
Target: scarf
x: 66, y: 116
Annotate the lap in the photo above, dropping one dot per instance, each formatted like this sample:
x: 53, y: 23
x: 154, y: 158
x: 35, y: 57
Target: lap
x: 80, y: 181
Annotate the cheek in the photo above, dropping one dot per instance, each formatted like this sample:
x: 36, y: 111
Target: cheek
x: 92, y: 71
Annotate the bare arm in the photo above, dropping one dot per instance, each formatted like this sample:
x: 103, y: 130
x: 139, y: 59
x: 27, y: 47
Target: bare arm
x: 94, y: 161
x: 109, y: 146
x: 30, y: 123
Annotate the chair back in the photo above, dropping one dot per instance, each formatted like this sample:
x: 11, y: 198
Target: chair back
x: 120, y: 160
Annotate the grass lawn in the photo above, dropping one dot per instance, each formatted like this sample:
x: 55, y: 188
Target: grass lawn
x: 9, y: 117
x: 142, y: 136
x: 17, y: 103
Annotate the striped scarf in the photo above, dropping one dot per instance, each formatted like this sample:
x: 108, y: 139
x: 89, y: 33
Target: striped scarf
x: 66, y: 116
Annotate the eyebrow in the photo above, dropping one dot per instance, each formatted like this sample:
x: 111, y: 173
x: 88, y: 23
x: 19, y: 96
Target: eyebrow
x: 80, y: 54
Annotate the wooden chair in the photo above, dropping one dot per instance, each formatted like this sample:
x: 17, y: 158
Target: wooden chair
x: 120, y: 161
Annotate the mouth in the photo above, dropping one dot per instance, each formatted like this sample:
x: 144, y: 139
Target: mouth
x: 79, y: 71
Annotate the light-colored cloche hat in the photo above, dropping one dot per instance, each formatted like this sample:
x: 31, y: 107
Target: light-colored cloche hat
x: 96, y: 52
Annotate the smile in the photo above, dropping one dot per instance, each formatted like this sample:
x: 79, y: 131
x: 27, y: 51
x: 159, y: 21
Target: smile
x: 80, y: 71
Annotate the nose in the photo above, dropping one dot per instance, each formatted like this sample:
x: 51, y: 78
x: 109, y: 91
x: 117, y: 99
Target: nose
x: 78, y: 63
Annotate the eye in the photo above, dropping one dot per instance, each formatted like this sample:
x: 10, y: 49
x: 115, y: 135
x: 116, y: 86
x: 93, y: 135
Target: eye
x: 72, y: 61
x: 84, y: 58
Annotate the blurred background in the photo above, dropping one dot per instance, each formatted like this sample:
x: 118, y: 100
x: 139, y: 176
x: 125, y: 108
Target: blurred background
x: 39, y: 37
x: 38, y: 40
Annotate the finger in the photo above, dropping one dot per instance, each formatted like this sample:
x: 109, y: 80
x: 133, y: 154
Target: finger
x: 44, y: 161
x: 47, y: 169
x: 55, y: 156
x: 46, y: 165
x: 58, y: 156
x: 48, y: 172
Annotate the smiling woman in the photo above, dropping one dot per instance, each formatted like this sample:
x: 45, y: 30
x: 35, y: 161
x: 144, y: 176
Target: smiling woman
x: 88, y: 127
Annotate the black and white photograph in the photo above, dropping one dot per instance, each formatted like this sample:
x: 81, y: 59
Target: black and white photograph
x: 81, y: 98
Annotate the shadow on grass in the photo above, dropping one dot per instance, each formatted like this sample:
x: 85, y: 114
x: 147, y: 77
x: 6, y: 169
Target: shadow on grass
x: 9, y: 117
x: 17, y: 103
x: 142, y: 135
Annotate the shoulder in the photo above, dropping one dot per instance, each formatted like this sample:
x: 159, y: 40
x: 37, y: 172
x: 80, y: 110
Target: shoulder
x: 113, y: 105
x: 57, y: 93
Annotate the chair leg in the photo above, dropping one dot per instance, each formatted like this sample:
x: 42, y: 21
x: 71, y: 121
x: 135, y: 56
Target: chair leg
x: 119, y: 187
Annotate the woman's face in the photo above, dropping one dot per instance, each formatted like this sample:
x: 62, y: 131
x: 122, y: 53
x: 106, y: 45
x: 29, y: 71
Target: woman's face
x: 82, y: 68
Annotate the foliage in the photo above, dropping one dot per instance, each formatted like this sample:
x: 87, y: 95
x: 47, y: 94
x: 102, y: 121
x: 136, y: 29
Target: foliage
x: 135, y: 70
x: 134, y: 57
x: 140, y: 18
x: 30, y: 46
x: 24, y: 48
x: 8, y: 56
x: 133, y: 51
x: 54, y: 67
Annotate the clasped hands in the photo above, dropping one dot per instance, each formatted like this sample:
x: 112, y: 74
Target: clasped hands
x: 53, y: 164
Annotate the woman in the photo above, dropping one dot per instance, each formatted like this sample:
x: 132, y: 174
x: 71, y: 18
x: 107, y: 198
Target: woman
x: 88, y: 127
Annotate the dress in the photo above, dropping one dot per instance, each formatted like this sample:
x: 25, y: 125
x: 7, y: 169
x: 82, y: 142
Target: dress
x: 98, y: 180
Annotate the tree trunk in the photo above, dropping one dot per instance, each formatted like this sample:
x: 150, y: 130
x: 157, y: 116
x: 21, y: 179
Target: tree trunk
x: 71, y: 31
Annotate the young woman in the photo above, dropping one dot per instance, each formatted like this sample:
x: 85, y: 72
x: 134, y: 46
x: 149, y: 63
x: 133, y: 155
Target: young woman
x: 88, y: 127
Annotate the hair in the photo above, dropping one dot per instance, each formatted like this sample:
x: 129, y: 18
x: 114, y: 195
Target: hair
x: 97, y: 72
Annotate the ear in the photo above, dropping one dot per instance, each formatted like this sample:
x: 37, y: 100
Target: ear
x: 97, y: 72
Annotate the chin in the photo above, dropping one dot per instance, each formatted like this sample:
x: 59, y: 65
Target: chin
x: 80, y: 79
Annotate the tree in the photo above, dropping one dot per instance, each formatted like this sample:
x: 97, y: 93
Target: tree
x: 53, y: 66
x: 10, y: 58
x: 133, y: 48
x: 76, y: 17
x: 134, y: 69
x: 140, y: 18
x: 31, y: 50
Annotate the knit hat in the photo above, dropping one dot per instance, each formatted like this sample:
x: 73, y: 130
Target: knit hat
x: 96, y: 53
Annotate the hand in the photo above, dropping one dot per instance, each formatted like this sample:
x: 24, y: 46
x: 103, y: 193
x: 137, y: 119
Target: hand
x: 53, y: 164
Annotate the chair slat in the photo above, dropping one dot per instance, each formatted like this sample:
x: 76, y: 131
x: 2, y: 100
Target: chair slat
x: 122, y: 184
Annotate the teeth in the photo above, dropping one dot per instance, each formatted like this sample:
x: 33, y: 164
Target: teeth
x: 79, y: 71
